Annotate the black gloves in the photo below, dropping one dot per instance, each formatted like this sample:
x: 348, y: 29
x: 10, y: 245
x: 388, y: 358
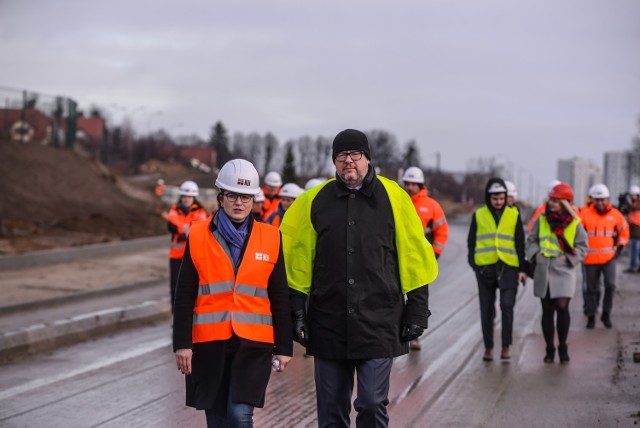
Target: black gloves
x: 410, y: 332
x: 300, y: 327
x: 619, y: 249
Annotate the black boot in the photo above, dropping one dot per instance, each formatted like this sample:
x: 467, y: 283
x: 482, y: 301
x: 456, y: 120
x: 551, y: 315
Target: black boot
x: 591, y: 322
x: 551, y: 352
x: 563, y: 353
x: 606, y: 320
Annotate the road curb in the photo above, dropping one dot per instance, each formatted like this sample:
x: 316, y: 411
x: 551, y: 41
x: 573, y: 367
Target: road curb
x: 64, y: 255
x: 79, y: 296
x: 45, y: 337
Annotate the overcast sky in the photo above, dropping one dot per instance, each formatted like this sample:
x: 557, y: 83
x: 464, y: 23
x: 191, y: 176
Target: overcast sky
x: 529, y: 81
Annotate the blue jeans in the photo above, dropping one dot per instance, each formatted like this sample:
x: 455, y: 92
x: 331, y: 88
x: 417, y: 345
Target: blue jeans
x: 635, y: 253
x: 239, y: 415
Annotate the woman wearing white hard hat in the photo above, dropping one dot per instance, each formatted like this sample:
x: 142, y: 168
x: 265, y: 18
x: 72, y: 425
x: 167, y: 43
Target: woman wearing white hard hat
x: 179, y: 219
x: 232, y: 321
x: 288, y: 194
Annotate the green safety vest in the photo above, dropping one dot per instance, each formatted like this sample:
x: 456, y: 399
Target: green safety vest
x: 496, y: 243
x: 549, y: 245
x: 416, y: 260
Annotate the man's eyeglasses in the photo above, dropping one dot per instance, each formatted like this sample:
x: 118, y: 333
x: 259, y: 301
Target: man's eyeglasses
x: 232, y: 197
x: 355, y: 156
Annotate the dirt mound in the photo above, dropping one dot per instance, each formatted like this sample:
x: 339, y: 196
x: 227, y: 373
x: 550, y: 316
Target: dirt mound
x: 55, y: 197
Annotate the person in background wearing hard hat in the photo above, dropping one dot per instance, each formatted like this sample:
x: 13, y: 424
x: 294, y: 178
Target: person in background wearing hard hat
x: 232, y: 320
x: 542, y: 207
x: 558, y: 243
x: 271, y: 190
x: 160, y: 187
x: 631, y: 208
x: 496, y: 254
x: 179, y: 220
x: 434, y: 222
x: 288, y: 193
x: 354, y: 247
x: 256, y: 210
x: 608, y: 234
x: 313, y: 182
x: 512, y: 193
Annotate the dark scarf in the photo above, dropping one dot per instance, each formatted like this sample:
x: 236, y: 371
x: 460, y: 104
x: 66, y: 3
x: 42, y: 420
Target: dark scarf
x: 559, y: 222
x: 235, y: 237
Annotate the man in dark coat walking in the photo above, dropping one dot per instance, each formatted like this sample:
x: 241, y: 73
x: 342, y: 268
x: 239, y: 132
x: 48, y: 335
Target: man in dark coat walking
x: 354, y: 247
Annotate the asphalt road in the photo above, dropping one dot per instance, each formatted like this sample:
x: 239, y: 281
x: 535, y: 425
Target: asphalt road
x: 130, y: 379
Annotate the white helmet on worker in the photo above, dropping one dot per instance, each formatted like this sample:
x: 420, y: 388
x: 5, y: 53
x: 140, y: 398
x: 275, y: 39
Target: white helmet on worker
x: 239, y: 176
x: 413, y: 174
x: 497, y: 188
x: 599, y: 191
x: 259, y: 197
x: 511, y: 188
x: 553, y: 184
x: 160, y: 181
x: 634, y: 190
x: 273, y: 179
x: 291, y: 190
x: 189, y: 188
x: 313, y: 182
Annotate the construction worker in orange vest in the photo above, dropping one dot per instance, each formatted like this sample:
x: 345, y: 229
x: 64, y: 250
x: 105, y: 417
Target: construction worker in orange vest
x: 271, y: 190
x: 180, y: 217
x: 608, y: 233
x: 232, y: 321
x: 288, y: 194
x: 160, y: 187
x: 631, y: 208
x: 434, y: 222
x: 256, y: 211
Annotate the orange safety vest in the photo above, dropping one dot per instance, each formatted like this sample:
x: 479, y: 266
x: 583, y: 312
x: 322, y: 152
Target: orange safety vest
x: 603, y: 230
x: 160, y: 189
x: 434, y: 223
x: 274, y: 219
x: 183, y: 222
x: 229, y: 302
x: 634, y: 213
x: 269, y: 206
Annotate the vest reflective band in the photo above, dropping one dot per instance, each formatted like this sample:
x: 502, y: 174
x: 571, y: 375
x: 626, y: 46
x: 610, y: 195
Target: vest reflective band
x: 634, y: 215
x: 496, y: 243
x: 227, y: 302
x: 549, y: 244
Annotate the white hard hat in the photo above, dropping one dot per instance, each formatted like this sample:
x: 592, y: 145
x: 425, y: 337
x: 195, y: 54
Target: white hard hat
x: 511, y: 188
x: 290, y: 190
x: 273, y: 179
x: 413, y: 174
x: 599, y: 191
x: 259, y: 197
x: 634, y: 190
x: 497, y: 188
x: 313, y: 183
x: 239, y: 176
x: 160, y: 181
x: 553, y: 184
x: 189, y: 188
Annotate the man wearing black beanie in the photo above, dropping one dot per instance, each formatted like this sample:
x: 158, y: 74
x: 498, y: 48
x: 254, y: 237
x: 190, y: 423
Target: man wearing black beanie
x: 349, y: 277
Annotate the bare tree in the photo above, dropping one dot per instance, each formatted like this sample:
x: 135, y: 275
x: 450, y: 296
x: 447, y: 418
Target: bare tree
x: 384, y: 151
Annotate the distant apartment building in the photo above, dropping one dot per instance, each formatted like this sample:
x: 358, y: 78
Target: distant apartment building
x: 617, y: 172
x: 580, y: 174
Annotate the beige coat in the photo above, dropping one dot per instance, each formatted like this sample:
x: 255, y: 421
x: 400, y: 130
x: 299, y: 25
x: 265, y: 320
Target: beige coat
x: 559, y: 273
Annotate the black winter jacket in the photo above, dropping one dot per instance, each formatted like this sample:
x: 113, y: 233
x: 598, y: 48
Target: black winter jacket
x: 356, y: 307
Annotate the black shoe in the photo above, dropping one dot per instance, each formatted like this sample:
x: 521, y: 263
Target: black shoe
x: 551, y: 352
x: 606, y: 320
x: 563, y: 353
x: 591, y: 322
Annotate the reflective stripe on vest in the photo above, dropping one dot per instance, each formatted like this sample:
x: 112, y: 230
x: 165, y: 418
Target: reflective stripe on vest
x: 549, y: 243
x: 229, y: 302
x: 493, y: 242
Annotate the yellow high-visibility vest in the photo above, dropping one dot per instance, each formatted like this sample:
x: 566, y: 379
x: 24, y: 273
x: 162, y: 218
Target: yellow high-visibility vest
x: 549, y: 244
x: 493, y: 242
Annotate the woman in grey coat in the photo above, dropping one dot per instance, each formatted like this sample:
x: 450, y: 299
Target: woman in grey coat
x: 557, y: 243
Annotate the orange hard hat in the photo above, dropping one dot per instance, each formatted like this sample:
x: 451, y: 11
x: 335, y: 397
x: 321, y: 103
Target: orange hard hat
x: 562, y: 191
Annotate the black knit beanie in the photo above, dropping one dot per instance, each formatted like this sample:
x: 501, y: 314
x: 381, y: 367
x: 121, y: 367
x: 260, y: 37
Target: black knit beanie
x: 351, y: 139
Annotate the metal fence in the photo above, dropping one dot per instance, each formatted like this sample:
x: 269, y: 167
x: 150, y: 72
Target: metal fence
x: 30, y: 116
